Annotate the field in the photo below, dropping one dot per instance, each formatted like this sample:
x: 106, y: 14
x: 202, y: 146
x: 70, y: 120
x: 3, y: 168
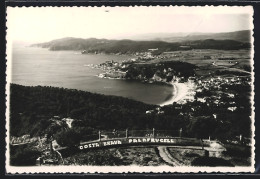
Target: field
x: 209, y: 61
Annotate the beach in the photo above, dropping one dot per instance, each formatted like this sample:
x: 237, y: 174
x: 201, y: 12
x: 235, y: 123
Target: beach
x: 181, y: 91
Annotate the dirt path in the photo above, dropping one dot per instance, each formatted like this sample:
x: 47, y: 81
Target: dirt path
x: 232, y: 67
x: 166, y: 156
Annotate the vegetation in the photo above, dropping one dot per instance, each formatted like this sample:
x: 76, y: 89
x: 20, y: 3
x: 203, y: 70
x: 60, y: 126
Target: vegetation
x: 104, y: 157
x: 222, y: 112
x: 147, y: 156
x: 33, y: 108
x: 93, y: 45
x: 228, y: 72
x: 242, y: 36
x: 238, y: 154
x: 23, y: 155
x: 68, y: 138
x: 202, y: 126
x: 164, y: 70
x: 238, y: 150
x: 210, y: 162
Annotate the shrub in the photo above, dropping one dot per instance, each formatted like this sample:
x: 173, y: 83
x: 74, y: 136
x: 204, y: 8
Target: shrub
x: 68, y: 138
x: 210, y: 161
x: 23, y: 156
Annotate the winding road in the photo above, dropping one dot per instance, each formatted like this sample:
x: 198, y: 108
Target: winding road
x: 166, y: 156
x: 169, y: 159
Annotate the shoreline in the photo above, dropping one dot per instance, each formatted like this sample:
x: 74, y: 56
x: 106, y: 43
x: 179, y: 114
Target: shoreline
x: 180, y: 91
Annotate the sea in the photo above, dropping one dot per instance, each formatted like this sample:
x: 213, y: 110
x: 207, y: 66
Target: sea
x: 32, y: 66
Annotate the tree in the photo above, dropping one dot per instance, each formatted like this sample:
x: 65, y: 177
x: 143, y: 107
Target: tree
x: 202, y: 127
x: 23, y: 156
x: 68, y: 138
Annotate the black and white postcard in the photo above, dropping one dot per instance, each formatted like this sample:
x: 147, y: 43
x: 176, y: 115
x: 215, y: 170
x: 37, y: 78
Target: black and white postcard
x: 130, y: 89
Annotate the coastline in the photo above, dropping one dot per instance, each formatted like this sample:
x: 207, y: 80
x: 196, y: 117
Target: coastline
x: 180, y: 91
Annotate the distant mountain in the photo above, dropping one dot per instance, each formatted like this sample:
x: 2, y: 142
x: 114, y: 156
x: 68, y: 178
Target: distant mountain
x: 93, y: 45
x: 104, y: 45
x: 241, y: 36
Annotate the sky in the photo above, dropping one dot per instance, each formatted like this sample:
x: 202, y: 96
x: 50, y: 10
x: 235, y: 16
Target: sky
x: 41, y: 24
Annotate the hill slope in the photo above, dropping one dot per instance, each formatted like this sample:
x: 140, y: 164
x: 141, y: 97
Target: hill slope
x: 128, y: 46
x: 241, y: 36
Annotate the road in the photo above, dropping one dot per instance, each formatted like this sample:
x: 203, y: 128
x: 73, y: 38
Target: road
x: 169, y: 159
x: 166, y: 156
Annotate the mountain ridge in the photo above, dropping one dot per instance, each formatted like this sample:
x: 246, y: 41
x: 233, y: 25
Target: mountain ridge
x: 94, y: 45
x: 242, y: 36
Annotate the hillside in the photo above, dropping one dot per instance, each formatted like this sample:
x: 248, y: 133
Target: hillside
x: 104, y: 45
x: 32, y: 107
x: 93, y: 45
x: 241, y: 36
x: 32, y: 110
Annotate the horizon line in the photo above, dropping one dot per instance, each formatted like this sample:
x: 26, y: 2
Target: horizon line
x: 134, y: 38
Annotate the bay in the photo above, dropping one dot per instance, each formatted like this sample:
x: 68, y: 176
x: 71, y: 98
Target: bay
x: 32, y: 66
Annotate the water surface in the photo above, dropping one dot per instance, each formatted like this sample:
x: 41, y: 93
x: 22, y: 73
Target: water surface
x: 33, y: 66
